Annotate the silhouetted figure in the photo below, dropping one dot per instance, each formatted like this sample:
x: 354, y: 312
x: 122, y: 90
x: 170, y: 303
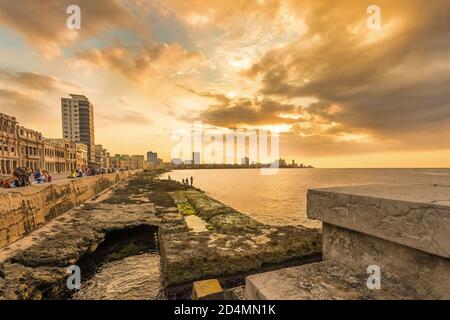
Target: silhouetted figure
x: 192, y: 181
x: 184, y: 181
x: 170, y: 178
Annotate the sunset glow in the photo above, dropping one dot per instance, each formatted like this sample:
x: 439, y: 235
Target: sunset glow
x: 340, y: 94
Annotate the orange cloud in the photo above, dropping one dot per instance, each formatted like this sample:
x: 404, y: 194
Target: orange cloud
x: 141, y: 62
x: 43, y: 23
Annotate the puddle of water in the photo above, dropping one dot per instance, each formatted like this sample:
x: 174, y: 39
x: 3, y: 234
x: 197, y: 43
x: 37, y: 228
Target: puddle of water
x: 126, y: 266
x: 131, y: 278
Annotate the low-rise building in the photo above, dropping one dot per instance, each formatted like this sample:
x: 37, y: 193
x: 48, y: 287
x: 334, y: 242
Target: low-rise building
x: 106, y: 159
x: 9, y: 144
x: 31, y: 145
x: 82, y: 156
x: 121, y: 162
x: 137, y: 162
x: 70, y: 153
x: 54, y: 156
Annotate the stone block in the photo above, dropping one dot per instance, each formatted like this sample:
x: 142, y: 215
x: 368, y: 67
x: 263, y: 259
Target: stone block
x: 207, y: 290
x: 416, y: 216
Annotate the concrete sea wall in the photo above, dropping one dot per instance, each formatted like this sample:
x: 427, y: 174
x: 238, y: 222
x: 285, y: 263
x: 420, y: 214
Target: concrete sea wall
x: 23, y: 210
x: 388, y: 242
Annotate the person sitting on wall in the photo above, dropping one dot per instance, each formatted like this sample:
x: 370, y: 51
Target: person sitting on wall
x: 8, y: 183
x: 73, y: 174
x: 47, y: 176
x: 38, y: 177
x: 19, y: 178
x: 22, y: 177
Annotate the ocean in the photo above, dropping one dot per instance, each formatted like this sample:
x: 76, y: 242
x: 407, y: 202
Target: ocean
x: 281, y: 199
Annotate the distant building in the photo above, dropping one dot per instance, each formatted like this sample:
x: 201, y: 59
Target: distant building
x: 78, y: 122
x: 152, y: 157
x: 177, y: 161
x: 102, y: 157
x: 245, y: 161
x: 137, y: 162
x: 121, y: 162
x: 196, y: 158
x: 82, y: 156
x: 106, y: 163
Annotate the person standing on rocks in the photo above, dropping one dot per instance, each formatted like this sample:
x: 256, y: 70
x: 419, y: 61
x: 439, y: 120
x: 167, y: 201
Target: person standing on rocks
x: 192, y: 181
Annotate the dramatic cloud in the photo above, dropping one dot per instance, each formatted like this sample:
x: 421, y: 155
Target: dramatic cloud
x: 24, y: 107
x: 241, y: 112
x: 141, y: 62
x: 35, y: 81
x: 312, y: 68
x: 391, y: 82
x: 43, y: 23
x: 129, y: 117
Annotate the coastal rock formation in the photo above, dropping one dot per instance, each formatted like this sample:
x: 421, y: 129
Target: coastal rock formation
x: 235, y: 245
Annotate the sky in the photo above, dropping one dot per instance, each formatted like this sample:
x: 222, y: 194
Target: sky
x: 340, y: 94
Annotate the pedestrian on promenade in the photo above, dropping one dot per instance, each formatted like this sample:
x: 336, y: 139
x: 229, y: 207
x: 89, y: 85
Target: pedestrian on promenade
x: 192, y: 181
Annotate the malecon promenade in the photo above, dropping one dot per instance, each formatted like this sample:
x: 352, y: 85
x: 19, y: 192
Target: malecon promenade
x: 117, y: 217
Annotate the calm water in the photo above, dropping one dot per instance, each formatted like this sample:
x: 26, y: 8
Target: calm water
x: 281, y: 199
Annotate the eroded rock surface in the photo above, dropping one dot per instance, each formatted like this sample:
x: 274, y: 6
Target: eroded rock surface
x: 234, y: 245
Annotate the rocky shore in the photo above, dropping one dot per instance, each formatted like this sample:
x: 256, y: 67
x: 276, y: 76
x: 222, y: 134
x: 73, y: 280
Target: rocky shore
x: 232, y: 245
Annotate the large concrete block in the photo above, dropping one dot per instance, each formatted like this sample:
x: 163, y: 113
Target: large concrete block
x: 416, y: 216
x: 428, y: 274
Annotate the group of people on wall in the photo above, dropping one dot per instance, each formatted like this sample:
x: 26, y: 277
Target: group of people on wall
x: 21, y: 177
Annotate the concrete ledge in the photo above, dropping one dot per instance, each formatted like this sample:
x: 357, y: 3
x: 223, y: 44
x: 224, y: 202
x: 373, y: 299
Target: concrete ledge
x: 322, y: 281
x: 416, y: 216
x: 23, y: 210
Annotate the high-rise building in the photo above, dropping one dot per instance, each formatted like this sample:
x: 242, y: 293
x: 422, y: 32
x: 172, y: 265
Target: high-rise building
x: 152, y: 157
x: 78, y: 122
x: 196, y: 158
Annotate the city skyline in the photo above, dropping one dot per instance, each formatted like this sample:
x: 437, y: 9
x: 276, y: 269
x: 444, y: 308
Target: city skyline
x: 339, y: 93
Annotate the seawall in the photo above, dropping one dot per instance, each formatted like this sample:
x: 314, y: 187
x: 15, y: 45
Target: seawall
x: 23, y: 210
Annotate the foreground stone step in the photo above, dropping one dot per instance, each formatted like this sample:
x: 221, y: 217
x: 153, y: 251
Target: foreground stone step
x: 323, y: 280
